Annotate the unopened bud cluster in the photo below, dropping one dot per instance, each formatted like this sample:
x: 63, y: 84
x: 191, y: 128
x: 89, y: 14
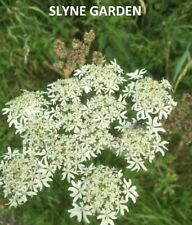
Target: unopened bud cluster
x: 100, y: 108
x: 76, y: 55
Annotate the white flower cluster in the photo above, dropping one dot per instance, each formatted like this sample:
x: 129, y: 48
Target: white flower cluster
x: 101, y: 191
x: 138, y: 144
x: 22, y: 108
x: 74, y: 121
x: 150, y: 97
x: 23, y: 176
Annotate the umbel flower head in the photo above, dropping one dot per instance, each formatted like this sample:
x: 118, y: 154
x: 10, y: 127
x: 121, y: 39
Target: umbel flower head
x: 100, y: 108
x: 101, y: 191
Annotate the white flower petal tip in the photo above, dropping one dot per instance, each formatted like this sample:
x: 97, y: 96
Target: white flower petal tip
x: 138, y: 74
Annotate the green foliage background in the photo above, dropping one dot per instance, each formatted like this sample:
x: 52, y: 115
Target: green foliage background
x: 160, y: 41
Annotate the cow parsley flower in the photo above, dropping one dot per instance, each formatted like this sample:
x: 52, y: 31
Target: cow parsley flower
x: 136, y: 145
x: 115, y: 66
x: 137, y: 74
x: 23, y: 176
x: 81, y: 212
x: 41, y: 131
x: 103, y: 192
x: 22, y: 108
x: 65, y: 127
x: 64, y: 91
x: 81, y: 72
x: 150, y: 97
x: 154, y: 126
x: 102, y: 79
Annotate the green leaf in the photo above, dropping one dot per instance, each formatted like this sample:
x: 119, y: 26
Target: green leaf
x: 181, y: 63
x: 36, y: 9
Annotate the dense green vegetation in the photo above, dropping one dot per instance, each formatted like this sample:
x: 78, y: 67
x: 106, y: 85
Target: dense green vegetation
x: 160, y: 41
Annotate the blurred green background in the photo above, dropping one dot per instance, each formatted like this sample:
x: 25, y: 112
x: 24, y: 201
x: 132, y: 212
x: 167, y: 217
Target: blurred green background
x: 160, y: 41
